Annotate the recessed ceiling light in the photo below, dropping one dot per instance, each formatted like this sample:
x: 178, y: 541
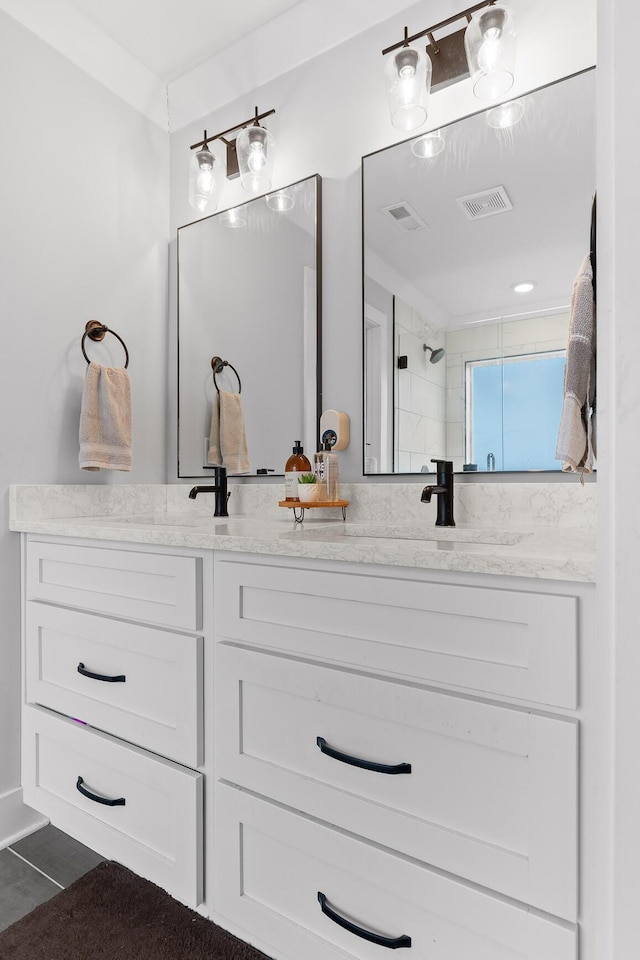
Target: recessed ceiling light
x: 524, y: 286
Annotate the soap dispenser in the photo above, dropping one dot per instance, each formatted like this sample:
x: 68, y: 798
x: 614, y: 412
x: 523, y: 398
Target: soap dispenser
x: 325, y: 467
x: 296, y: 465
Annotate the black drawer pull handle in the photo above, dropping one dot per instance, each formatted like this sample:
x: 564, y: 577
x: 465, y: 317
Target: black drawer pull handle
x: 365, y: 764
x: 392, y: 943
x: 121, y: 678
x: 120, y: 802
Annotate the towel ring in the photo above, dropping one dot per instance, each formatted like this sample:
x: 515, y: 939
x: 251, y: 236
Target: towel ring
x: 96, y: 332
x: 218, y: 365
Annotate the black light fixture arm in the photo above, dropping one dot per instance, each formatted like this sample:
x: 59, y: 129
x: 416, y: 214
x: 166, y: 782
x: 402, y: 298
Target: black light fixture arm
x: 437, y: 26
x: 239, y: 126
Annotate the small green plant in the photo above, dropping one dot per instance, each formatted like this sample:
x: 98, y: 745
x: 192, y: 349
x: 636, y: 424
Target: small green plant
x: 307, y: 478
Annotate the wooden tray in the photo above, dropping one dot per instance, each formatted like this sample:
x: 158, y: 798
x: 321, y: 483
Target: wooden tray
x: 313, y: 504
x: 299, y: 507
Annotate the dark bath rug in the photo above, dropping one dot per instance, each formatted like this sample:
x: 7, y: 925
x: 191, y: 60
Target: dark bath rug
x: 112, y: 914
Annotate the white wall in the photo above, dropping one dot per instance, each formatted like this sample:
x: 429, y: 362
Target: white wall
x: 84, y: 205
x: 329, y: 113
x: 619, y: 450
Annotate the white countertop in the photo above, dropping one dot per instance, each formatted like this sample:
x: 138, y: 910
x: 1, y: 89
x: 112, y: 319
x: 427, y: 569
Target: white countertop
x: 550, y: 553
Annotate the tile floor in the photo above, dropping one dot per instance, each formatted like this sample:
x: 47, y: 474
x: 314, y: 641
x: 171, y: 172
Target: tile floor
x: 36, y: 868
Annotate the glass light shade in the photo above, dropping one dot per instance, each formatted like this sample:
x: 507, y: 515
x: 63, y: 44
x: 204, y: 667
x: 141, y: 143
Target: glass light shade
x: 202, y: 180
x: 233, y: 218
x: 490, y: 44
x: 255, y: 148
x: 280, y: 200
x: 408, y: 80
x: 505, y: 115
x: 428, y: 146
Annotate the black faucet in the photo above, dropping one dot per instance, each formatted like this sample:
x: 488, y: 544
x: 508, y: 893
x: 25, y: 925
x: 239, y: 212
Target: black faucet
x: 444, y: 492
x: 220, y: 490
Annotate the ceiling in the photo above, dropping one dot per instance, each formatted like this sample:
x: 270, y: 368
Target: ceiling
x: 175, y: 61
x: 169, y: 37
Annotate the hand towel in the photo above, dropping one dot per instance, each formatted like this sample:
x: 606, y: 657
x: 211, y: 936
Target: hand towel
x: 214, y: 453
x: 227, y: 437
x: 576, y: 445
x: 105, y: 419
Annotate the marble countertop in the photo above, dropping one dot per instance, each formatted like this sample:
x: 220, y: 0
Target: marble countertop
x: 550, y: 553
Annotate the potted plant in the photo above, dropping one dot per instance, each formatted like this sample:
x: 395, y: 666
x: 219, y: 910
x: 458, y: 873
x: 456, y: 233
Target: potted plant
x: 308, y: 488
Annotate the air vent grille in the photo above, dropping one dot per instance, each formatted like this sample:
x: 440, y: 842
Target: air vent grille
x: 485, y: 204
x: 404, y: 216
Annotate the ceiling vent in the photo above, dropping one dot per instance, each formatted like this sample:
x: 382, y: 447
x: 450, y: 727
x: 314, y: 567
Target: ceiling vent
x: 485, y: 204
x: 404, y: 216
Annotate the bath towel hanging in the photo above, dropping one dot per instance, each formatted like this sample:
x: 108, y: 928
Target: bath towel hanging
x: 576, y: 445
x: 592, y: 245
x: 105, y: 416
x: 227, y: 436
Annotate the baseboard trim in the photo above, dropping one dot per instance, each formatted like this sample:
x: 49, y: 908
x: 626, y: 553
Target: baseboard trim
x: 17, y: 820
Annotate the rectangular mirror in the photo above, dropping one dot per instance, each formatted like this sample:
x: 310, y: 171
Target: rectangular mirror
x: 249, y: 287
x: 459, y: 363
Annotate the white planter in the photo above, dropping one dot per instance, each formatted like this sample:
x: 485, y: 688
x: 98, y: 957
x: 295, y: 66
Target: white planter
x: 308, y: 492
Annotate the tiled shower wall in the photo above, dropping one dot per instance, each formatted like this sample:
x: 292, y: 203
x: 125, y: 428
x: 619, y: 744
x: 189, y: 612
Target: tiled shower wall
x: 420, y: 408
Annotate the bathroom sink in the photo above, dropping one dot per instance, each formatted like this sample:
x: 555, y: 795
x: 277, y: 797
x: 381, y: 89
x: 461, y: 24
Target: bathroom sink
x: 219, y: 525
x: 399, y: 531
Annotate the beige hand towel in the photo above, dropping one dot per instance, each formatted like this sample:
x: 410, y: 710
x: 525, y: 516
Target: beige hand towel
x: 214, y: 454
x: 227, y: 438
x: 105, y: 419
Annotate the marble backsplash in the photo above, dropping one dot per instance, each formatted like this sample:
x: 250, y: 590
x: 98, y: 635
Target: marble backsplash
x: 514, y: 505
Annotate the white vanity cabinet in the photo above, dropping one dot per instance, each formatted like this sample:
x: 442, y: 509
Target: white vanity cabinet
x: 393, y: 757
x: 396, y: 754
x: 113, y: 716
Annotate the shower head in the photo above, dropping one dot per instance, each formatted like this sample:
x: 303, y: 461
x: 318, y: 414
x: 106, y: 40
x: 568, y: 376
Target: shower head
x: 435, y: 354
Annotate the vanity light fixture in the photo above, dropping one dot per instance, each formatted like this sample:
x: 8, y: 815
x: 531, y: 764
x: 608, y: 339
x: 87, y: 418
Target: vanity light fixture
x: 428, y: 146
x: 201, y: 179
x: 505, y: 115
x: 484, y: 50
x: 490, y: 42
x: 232, y: 218
x: 281, y: 200
x: 255, y: 147
x: 249, y: 156
x: 408, y: 77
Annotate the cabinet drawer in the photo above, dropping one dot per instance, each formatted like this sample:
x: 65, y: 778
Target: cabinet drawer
x: 491, y: 794
x: 157, y: 704
x: 160, y: 588
x: 504, y: 642
x: 272, y: 863
x: 157, y: 832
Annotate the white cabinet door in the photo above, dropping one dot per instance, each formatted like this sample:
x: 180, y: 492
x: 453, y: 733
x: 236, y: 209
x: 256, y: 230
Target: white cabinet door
x: 135, y: 682
x: 271, y: 864
x: 491, y: 793
x: 127, y: 804
x: 496, y: 641
x: 160, y: 588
